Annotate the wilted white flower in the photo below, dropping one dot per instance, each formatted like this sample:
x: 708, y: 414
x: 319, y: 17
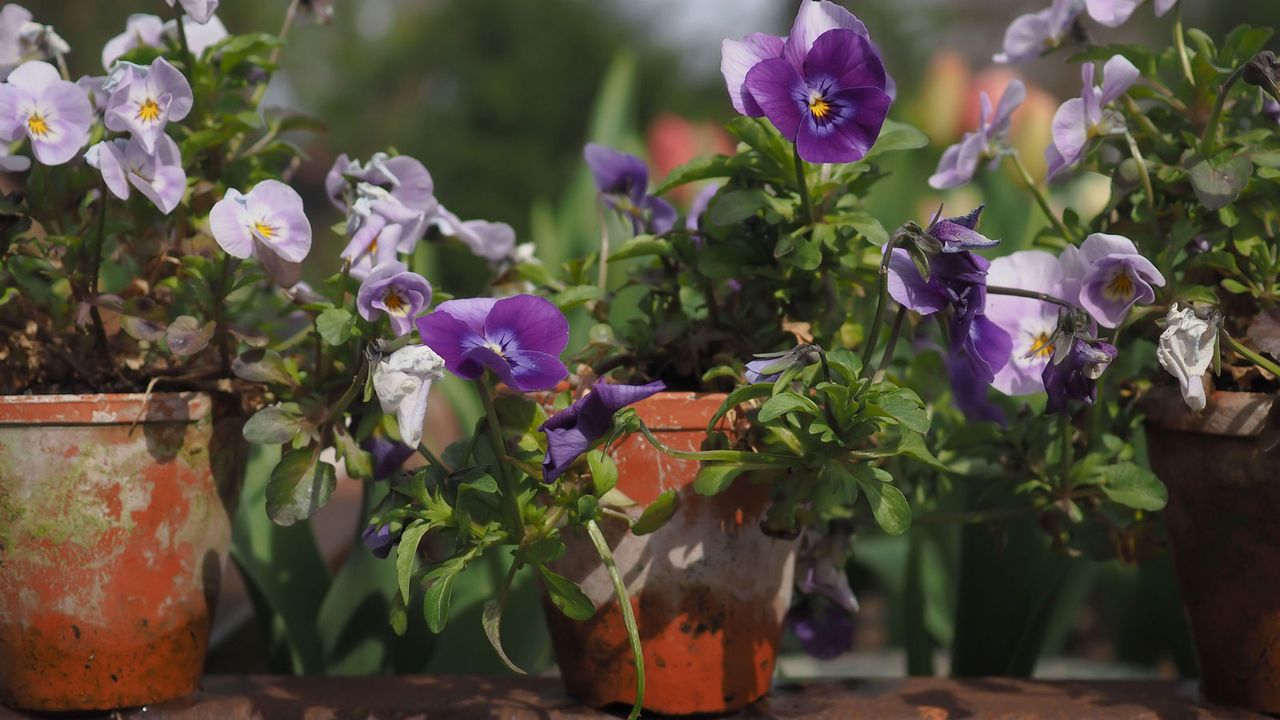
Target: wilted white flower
x: 403, y: 382
x: 1186, y: 350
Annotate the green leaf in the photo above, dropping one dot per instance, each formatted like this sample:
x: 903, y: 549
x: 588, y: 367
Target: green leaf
x: 358, y: 461
x: 435, y: 606
x: 491, y: 619
x: 566, y: 595
x: 1133, y: 486
x: 407, y: 555
x: 335, y: 326
x: 588, y: 506
x: 545, y: 550
x: 262, y: 366
x: 604, y: 472
x: 576, y: 295
x: 736, y: 206
x: 715, y: 478
x: 641, y: 246
x: 274, y: 425
x: 904, y: 406
x: 897, y: 136
x: 1218, y: 184
x: 703, y: 167
x: 888, y: 504
x: 657, y: 514
x: 299, y: 486
x: 739, y: 396
x: 783, y: 403
x: 399, y: 615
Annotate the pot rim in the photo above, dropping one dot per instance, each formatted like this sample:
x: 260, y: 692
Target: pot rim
x: 105, y: 408
x: 1228, y: 413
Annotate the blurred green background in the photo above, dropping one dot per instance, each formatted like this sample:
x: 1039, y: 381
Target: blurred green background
x: 497, y: 97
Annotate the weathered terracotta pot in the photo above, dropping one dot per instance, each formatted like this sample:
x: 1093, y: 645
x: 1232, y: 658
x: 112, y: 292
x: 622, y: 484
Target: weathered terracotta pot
x: 112, y: 542
x: 1224, y: 495
x: 709, y: 589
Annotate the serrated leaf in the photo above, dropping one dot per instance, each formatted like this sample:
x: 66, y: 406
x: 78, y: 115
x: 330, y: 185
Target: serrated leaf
x: 299, y: 485
x: 903, y: 406
x: 407, y: 556
x: 896, y: 136
x: 566, y: 595
x: 657, y: 514
x: 358, y: 461
x: 784, y: 403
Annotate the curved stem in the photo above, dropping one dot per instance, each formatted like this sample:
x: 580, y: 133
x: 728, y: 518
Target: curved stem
x: 749, y: 460
x: 1181, y: 43
x: 1251, y: 356
x: 510, y: 498
x: 1031, y: 294
x: 882, y: 300
x: 1147, y: 188
x: 1210, y: 136
x: 1041, y: 199
x: 803, y: 184
x: 628, y: 614
x: 887, y: 357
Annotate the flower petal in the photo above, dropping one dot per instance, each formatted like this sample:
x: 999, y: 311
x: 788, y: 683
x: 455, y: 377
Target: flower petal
x: 912, y: 291
x: 527, y: 323
x: 846, y: 59
x: 108, y: 157
x: 1118, y: 75
x: 813, y: 21
x: 229, y: 222
x: 737, y: 57
x: 452, y: 339
x: 851, y: 135
x: 781, y: 93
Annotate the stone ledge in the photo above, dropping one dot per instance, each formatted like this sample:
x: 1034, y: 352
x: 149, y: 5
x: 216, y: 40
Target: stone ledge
x: 421, y: 697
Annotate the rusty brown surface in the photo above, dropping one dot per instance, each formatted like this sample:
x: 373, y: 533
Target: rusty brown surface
x: 474, y: 698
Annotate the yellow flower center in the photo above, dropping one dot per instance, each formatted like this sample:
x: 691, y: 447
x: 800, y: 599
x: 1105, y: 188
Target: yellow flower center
x: 1041, y: 347
x: 263, y: 229
x: 396, y: 305
x: 37, y: 124
x: 1119, y: 287
x: 148, y: 111
x: 818, y: 105
x: 496, y: 348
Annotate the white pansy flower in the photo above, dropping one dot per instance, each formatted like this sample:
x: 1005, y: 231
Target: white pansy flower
x: 1186, y: 351
x: 403, y: 382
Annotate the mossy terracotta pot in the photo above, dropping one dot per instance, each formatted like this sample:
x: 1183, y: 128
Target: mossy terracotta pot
x: 1224, y: 523
x: 113, y: 534
x: 709, y: 589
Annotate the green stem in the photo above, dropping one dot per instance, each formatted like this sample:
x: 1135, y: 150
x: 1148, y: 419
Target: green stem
x: 603, y: 278
x: 1068, y: 452
x: 1041, y: 200
x: 222, y: 337
x: 803, y: 184
x: 182, y: 40
x: 1215, y: 118
x: 882, y: 300
x: 91, y: 279
x: 749, y: 460
x: 1030, y: 294
x: 1147, y: 187
x: 628, y: 614
x: 1252, y: 356
x: 510, y: 496
x: 274, y: 60
x: 887, y: 357
x: 1181, y: 43
x: 431, y: 457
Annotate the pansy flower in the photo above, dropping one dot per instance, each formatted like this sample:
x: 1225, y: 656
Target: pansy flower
x: 159, y: 175
x: 519, y: 338
x: 402, y: 382
x: 199, y: 10
x: 1031, y: 324
x: 1112, y: 276
x: 140, y: 30
x: 1081, y: 119
x: 36, y: 103
x: 989, y: 142
x: 1073, y: 375
x: 1187, y: 347
x: 269, y: 223
x: 144, y: 99
x: 493, y: 241
x: 403, y: 177
x: 1030, y: 35
x: 572, y: 431
x: 392, y: 289
x: 623, y: 180
x: 1114, y: 13
x: 381, y: 226
x: 825, y: 91
x: 22, y: 39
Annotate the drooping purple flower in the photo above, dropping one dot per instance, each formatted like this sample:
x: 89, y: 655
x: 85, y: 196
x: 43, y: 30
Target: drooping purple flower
x: 519, y: 338
x: 825, y: 631
x: 969, y: 393
x: 1112, y: 276
x: 495, y: 242
x: 572, y: 431
x: 144, y: 99
x: 392, y: 289
x: 159, y: 175
x: 381, y: 226
x: 36, y: 103
x: 269, y: 223
x: 827, y: 90
x: 623, y: 180
x: 405, y: 178
x: 698, y: 206
x: 1114, y: 13
x: 1035, y: 33
x: 1031, y: 324
x: 989, y: 142
x: 388, y: 455
x: 140, y: 30
x: 761, y: 371
x: 199, y: 10
x: 1271, y: 108
x: 380, y: 540
x: 1076, y: 376
x: 768, y: 367
x: 1078, y: 120
x: 820, y: 569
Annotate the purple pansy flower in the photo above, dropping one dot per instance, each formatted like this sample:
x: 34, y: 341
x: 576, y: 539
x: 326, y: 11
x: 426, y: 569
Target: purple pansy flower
x: 623, y: 179
x: 495, y: 242
x: 1112, y: 276
x: 1034, y: 33
x: 519, y: 338
x: 381, y: 226
x: 1031, y: 324
x: 388, y: 455
x: 144, y: 99
x: 989, y: 142
x: 36, y: 103
x: 268, y: 223
x: 406, y: 179
x: 820, y: 569
x: 392, y: 289
x: 572, y: 431
x: 1075, y: 376
x: 159, y: 175
x: 700, y: 203
x: 140, y: 30
x: 824, y: 630
x: 1080, y: 119
x: 199, y: 10
x: 1271, y: 108
x: 826, y: 91
x: 969, y: 393
x: 380, y: 540
x: 1114, y: 13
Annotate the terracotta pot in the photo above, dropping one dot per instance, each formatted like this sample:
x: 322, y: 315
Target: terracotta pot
x: 709, y: 589
x: 112, y: 542
x: 1224, y: 495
